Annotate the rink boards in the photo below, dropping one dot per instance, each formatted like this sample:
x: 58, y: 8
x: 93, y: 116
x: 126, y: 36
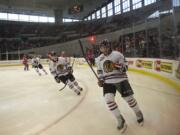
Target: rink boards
x: 163, y: 69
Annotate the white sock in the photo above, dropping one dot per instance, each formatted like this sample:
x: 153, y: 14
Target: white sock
x: 113, y: 107
x: 132, y: 103
x: 44, y: 71
x: 71, y: 86
x: 76, y: 84
x: 38, y: 71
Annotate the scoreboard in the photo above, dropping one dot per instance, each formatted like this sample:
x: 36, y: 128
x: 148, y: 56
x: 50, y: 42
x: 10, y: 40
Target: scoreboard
x: 75, y: 9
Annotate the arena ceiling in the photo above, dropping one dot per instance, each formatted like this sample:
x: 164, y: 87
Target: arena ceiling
x: 50, y: 5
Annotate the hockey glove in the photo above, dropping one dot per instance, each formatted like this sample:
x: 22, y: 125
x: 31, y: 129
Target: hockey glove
x: 117, y: 66
x: 120, y: 67
x: 57, y: 79
x: 123, y: 69
x: 70, y: 70
x: 100, y: 83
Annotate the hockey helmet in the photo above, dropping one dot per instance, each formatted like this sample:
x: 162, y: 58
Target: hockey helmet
x: 52, y: 56
x: 52, y: 53
x: 105, y: 43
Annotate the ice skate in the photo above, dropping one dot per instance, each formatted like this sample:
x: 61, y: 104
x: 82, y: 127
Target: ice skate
x: 140, y: 118
x: 81, y: 89
x: 78, y: 92
x: 122, y: 125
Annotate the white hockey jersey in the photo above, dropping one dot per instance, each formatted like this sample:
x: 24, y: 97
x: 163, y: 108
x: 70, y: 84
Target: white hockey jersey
x: 109, y: 67
x: 59, y: 68
x: 35, y: 61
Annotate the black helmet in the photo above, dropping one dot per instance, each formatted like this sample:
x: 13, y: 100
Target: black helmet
x: 52, y: 56
x: 105, y: 43
x: 52, y: 53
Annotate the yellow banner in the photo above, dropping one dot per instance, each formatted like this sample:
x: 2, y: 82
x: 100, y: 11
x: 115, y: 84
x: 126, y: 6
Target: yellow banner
x: 139, y: 63
x: 178, y: 72
x: 166, y: 67
x: 148, y: 64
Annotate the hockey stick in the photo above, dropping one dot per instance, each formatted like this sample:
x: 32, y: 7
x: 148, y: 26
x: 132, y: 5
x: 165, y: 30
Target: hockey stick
x: 87, y: 60
x: 73, y: 63
x: 66, y: 83
x: 63, y: 87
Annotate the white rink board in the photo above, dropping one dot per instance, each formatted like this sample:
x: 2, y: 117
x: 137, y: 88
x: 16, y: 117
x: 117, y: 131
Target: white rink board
x: 171, y: 74
x: 132, y: 64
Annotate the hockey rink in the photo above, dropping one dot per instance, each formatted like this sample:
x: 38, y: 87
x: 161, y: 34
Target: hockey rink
x: 33, y: 105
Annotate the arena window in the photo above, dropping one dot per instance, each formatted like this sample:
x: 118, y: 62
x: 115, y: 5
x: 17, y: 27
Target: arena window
x: 3, y: 16
x: 93, y: 16
x: 43, y: 19
x: 137, y: 4
x: 117, y: 6
x: 147, y: 2
x: 110, y: 10
x: 154, y: 15
x: 126, y: 5
x: 67, y: 20
x: 98, y: 15
x: 51, y: 19
x: 75, y: 20
x: 13, y: 17
x: 24, y: 18
x: 89, y: 18
x: 176, y: 3
x: 103, y: 11
x: 33, y: 18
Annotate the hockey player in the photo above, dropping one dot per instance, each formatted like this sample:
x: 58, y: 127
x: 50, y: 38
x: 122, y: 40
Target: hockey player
x: 66, y: 59
x: 62, y: 72
x: 90, y: 57
x: 111, y: 69
x: 37, y: 65
x: 25, y: 62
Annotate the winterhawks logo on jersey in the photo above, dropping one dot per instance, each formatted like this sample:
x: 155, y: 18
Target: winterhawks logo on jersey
x: 60, y: 67
x: 108, y: 66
